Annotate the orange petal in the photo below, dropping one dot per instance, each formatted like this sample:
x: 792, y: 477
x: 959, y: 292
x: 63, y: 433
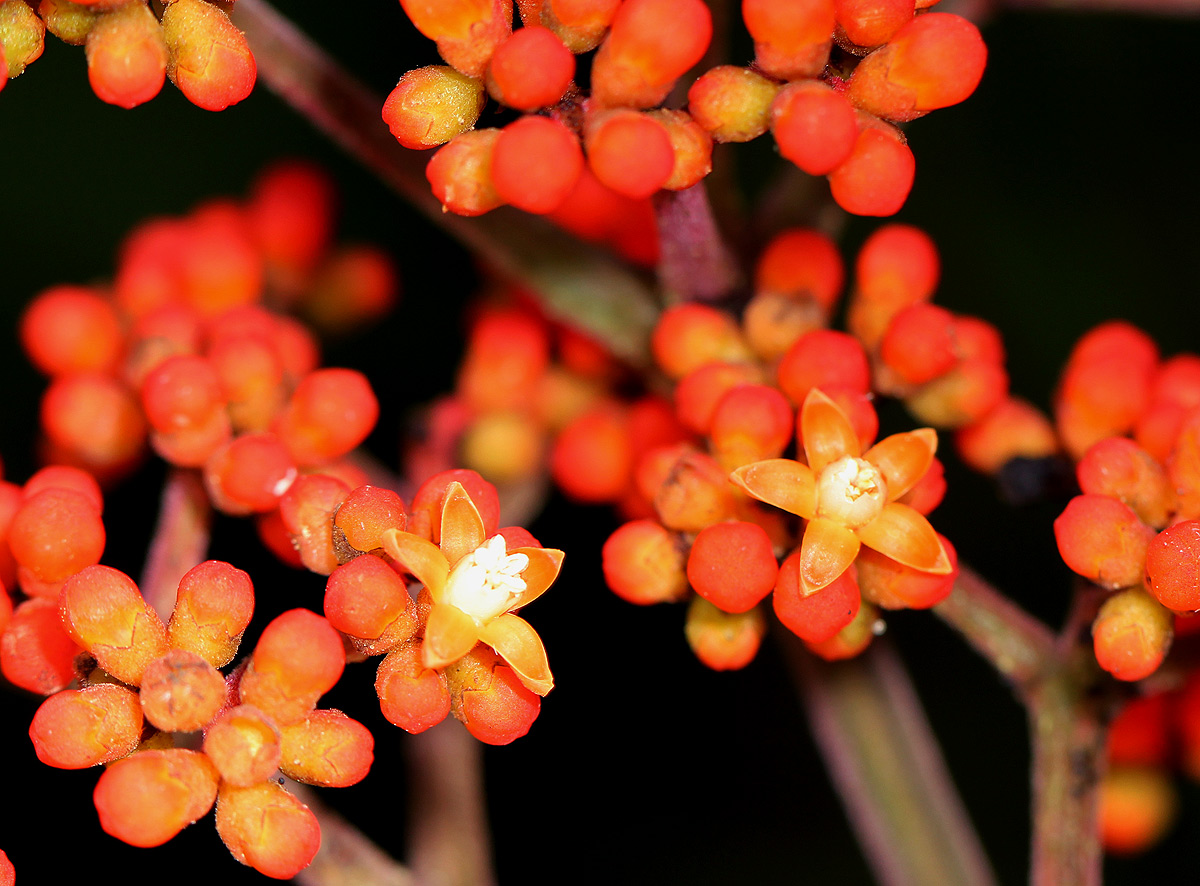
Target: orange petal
x: 903, y: 459
x: 904, y: 535
x: 419, y: 556
x: 462, y: 527
x: 449, y: 635
x: 825, y: 430
x: 515, y: 640
x: 780, y: 482
x: 827, y: 550
x: 543, y: 568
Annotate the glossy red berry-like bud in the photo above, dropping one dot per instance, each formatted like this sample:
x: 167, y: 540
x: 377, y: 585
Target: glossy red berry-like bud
x: 689, y: 335
x: 531, y: 69
x: 1173, y: 566
x: 365, y: 514
x: 866, y: 23
x: 299, y: 658
x: 815, y: 127
x: 1103, y: 540
x: 825, y: 359
x: 36, y: 654
x: 818, y: 617
x: 249, y: 474
x: 368, y: 601
x: 802, y: 263
x: 934, y: 61
x: 103, y: 610
x: 1013, y: 429
x: 644, y: 564
x: 792, y: 38
x: 535, y: 163
x: 243, y: 744
x: 877, y: 176
x: 651, y: 44
x: 69, y: 329
x: 1119, y: 468
x: 732, y: 565
x: 460, y: 173
x: 467, y: 32
x: 181, y: 692
x: 411, y: 695
x: 126, y: 55
x: 489, y: 699
x: 54, y: 534
x: 629, y: 152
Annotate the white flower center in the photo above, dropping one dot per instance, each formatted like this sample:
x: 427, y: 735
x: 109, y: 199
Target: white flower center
x: 487, y: 581
x: 851, y: 491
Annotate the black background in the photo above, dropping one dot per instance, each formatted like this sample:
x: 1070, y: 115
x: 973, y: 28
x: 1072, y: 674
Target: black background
x: 1062, y: 194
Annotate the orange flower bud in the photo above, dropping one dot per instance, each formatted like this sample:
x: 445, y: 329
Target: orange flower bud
x: 243, y: 744
x: 267, y: 828
x: 489, y: 699
x: 181, y: 692
x: 723, y: 641
x: 149, y: 797
x: 78, y: 728
x: 327, y: 748
x: 103, y: 610
x: 1131, y: 634
x: 213, y: 606
x: 1103, y: 540
x: 210, y: 61
x: 299, y: 658
x: 432, y: 105
x: 643, y: 564
x: 411, y: 695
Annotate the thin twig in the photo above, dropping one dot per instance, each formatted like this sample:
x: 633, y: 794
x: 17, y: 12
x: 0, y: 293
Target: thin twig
x: 1068, y: 734
x: 346, y: 857
x: 695, y: 263
x: 448, y: 841
x: 576, y: 283
x: 1015, y: 643
x: 180, y: 538
x: 884, y: 760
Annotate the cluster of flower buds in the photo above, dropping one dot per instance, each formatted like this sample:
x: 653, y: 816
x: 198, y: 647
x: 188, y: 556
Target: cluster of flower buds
x: 144, y: 688
x: 458, y: 648
x: 183, y: 349
x: 122, y: 685
x: 779, y: 486
x: 830, y: 79
x: 1131, y: 420
x: 131, y: 51
x: 1153, y: 737
x: 531, y: 393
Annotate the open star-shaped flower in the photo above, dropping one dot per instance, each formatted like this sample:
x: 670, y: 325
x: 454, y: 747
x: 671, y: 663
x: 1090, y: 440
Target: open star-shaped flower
x: 477, y: 584
x: 848, y: 497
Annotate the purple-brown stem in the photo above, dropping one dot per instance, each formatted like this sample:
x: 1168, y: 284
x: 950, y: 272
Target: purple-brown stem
x: 884, y: 761
x: 694, y: 263
x: 180, y: 538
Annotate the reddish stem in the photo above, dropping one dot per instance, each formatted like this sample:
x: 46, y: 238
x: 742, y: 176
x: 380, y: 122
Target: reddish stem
x: 180, y: 539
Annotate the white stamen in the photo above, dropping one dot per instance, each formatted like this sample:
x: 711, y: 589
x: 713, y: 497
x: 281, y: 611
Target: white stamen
x: 487, y: 581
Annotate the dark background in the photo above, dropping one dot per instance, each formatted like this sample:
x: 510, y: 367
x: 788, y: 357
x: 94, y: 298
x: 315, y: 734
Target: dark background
x: 1062, y: 194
